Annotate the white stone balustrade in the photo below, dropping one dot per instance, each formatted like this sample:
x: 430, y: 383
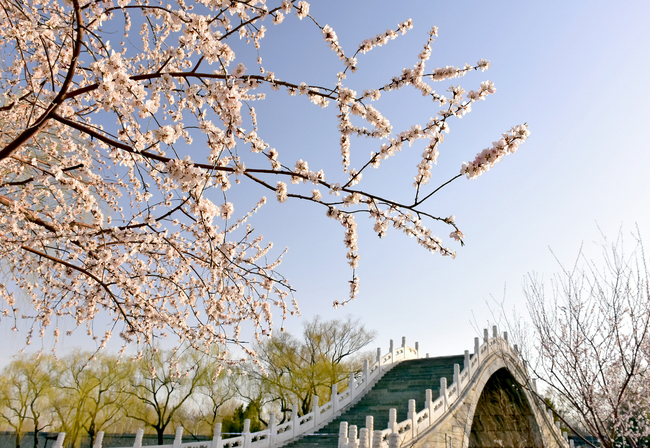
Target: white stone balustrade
x: 99, y: 438
x: 59, y: 440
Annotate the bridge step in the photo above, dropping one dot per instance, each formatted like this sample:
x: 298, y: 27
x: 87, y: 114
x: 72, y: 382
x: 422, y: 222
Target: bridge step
x: 408, y: 380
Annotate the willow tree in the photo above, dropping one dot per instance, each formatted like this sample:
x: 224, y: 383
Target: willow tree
x: 88, y: 394
x: 25, y: 386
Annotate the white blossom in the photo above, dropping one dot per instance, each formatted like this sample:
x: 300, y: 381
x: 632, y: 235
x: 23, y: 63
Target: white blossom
x: 281, y: 191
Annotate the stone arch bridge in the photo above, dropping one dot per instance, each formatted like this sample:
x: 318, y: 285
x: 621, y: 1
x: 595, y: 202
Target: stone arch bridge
x: 408, y: 400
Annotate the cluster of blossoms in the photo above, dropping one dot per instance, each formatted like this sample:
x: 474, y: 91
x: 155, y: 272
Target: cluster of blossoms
x: 350, y: 239
x: 116, y: 84
x: 118, y: 165
x: 487, y: 88
x: 486, y: 159
x: 281, y: 191
x: 383, y: 38
x: 429, y: 157
x: 409, y: 224
x: 186, y: 174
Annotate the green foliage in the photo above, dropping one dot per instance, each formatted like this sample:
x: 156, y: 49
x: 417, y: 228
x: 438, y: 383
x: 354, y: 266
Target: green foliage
x: 234, y: 423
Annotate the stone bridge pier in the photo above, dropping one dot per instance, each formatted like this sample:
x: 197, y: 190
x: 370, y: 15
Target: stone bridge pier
x: 495, y: 411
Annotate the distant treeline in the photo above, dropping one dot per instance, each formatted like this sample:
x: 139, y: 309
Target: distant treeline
x: 158, y: 390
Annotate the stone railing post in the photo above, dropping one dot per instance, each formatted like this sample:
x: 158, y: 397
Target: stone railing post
x: 59, y: 440
x: 272, y: 429
x: 495, y: 332
x: 379, y: 358
x: 466, y: 363
x: 417, y: 350
x: 179, y: 437
x: 505, y: 337
x: 376, y: 438
x: 138, y: 438
x: 404, y: 342
x: 393, y: 440
x: 216, y: 438
x: 477, y: 345
x: 443, y: 391
x: 294, y: 419
x: 316, y: 410
x: 370, y: 426
x: 352, y: 385
x: 246, y: 433
x: 411, y: 416
x: 392, y: 419
x: 335, y: 399
x: 99, y: 438
x: 486, y: 335
x: 353, y: 442
x: 343, y: 435
x: 391, y: 349
x: 457, y: 377
x: 365, y: 374
x: 363, y: 438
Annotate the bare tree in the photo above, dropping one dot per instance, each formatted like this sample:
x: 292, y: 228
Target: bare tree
x: 297, y: 370
x: 589, y: 341
x: 336, y: 340
x: 162, y: 383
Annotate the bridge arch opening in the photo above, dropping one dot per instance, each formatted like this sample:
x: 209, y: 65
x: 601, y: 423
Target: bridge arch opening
x: 503, y: 417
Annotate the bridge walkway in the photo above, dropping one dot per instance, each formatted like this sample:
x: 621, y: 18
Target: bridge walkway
x: 407, y: 380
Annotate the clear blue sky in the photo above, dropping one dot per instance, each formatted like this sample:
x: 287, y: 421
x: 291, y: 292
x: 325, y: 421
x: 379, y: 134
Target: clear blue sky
x: 577, y: 72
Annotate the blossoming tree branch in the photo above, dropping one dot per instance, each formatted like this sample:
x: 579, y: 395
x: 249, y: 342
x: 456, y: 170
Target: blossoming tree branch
x: 119, y: 163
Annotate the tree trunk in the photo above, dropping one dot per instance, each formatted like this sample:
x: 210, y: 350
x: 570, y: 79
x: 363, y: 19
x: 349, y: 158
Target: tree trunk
x: 91, y: 434
x: 36, y: 431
